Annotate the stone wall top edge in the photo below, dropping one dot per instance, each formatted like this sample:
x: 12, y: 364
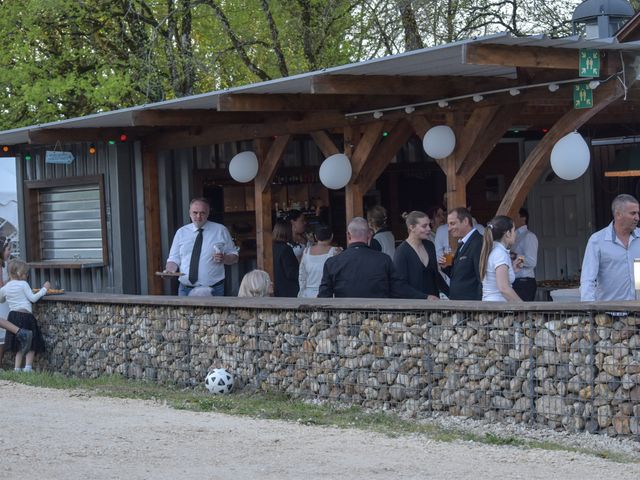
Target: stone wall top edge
x: 343, y: 303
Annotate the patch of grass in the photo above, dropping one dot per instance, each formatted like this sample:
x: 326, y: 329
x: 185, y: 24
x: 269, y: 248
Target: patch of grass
x: 277, y: 406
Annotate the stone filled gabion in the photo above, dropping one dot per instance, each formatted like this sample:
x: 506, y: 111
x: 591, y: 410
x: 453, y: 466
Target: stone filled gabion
x: 567, y: 371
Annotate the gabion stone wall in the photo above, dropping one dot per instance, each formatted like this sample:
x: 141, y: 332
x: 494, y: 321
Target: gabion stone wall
x: 574, y: 370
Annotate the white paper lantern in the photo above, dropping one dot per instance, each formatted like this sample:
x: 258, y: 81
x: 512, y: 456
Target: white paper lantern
x: 570, y: 156
x: 439, y: 142
x: 335, y: 171
x: 243, y: 167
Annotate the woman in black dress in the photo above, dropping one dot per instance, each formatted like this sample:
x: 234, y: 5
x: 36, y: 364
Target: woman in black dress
x: 415, y: 258
x: 285, y: 263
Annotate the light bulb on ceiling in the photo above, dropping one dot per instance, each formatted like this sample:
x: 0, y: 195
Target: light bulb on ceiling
x: 593, y: 84
x: 553, y: 87
x: 443, y: 104
x: 478, y: 98
x: 377, y: 115
x: 409, y: 109
x: 514, y: 91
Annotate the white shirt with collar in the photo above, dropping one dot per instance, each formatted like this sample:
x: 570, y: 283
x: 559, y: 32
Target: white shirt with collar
x: 209, y: 272
x: 526, y: 244
x: 441, y: 239
x: 464, y: 239
x: 607, y: 267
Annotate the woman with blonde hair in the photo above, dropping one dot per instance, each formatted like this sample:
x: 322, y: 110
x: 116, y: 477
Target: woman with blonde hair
x: 415, y: 259
x: 497, y: 270
x: 256, y: 283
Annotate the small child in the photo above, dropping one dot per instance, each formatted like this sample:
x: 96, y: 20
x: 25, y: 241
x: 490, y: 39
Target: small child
x: 19, y: 295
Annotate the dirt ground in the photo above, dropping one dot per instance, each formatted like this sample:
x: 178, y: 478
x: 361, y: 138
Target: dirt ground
x: 56, y: 434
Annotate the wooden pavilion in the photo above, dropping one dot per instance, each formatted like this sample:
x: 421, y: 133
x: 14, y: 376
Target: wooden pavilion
x: 480, y: 87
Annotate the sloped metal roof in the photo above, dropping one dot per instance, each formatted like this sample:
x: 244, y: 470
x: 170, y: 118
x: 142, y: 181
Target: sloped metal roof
x: 442, y: 60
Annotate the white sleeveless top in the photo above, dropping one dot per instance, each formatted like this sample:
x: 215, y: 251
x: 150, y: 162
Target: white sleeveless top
x: 310, y: 272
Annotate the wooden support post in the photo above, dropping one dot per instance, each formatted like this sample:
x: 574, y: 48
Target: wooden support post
x: 155, y: 261
x: 264, y: 228
x: 353, y: 202
x: 269, y: 155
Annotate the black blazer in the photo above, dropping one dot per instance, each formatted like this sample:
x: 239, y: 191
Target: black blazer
x: 361, y: 272
x: 285, y: 271
x: 411, y: 269
x: 466, y: 283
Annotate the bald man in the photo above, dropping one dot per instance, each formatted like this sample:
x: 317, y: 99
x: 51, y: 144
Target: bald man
x: 361, y: 272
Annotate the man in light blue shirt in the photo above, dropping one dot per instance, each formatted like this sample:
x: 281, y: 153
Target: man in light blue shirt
x: 607, y: 268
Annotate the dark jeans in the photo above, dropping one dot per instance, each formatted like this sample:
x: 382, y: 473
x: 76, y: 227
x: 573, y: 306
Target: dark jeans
x: 526, y: 288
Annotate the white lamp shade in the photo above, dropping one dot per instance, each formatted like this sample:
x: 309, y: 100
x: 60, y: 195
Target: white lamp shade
x: 243, y: 167
x: 570, y: 156
x: 335, y: 171
x: 439, y: 142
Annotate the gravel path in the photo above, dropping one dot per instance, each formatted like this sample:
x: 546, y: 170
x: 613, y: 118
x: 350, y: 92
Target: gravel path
x: 60, y: 434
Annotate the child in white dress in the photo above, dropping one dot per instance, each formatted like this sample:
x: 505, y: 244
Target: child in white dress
x: 20, y: 297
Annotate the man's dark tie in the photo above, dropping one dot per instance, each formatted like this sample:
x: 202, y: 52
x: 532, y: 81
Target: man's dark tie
x: 460, y: 247
x: 195, y: 258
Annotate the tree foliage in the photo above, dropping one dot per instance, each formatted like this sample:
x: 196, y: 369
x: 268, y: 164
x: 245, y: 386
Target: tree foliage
x: 66, y: 58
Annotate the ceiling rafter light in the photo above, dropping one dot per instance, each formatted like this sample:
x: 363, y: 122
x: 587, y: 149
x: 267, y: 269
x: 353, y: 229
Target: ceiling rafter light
x: 477, y: 96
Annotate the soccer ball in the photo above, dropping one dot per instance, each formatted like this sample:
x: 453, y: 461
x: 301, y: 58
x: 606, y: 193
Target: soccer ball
x: 219, y: 381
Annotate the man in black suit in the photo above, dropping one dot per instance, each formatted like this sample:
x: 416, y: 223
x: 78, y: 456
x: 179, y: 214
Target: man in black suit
x: 361, y: 272
x: 464, y: 272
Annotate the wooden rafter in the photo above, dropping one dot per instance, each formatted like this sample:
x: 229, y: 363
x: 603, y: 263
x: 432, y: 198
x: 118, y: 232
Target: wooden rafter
x: 232, y: 133
x: 270, y: 162
x: 315, y: 102
x: 491, y: 135
x: 52, y: 135
x: 538, y: 159
x: 383, y: 154
x: 324, y: 143
x: 404, y: 85
x: 200, y: 117
x: 369, y: 140
x: 530, y: 57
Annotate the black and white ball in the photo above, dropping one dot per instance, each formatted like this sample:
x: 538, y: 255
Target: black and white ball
x: 219, y: 381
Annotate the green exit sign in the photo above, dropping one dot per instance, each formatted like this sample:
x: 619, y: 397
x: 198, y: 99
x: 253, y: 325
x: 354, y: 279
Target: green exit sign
x: 589, y: 64
x: 582, y: 96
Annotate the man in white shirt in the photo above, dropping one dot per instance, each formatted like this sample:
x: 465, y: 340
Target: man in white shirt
x: 200, y: 250
x: 607, y: 267
x: 526, y: 246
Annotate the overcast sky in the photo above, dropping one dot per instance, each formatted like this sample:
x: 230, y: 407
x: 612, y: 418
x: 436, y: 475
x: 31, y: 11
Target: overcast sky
x: 7, y: 175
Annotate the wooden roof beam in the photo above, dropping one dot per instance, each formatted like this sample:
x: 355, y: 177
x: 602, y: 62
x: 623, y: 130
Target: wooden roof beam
x: 271, y: 160
x: 46, y: 136
x: 532, y: 57
x: 538, y: 160
x: 491, y: 128
x: 315, y: 102
x: 383, y: 154
x: 201, y: 117
x: 324, y: 143
x: 434, y: 87
x: 231, y: 133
